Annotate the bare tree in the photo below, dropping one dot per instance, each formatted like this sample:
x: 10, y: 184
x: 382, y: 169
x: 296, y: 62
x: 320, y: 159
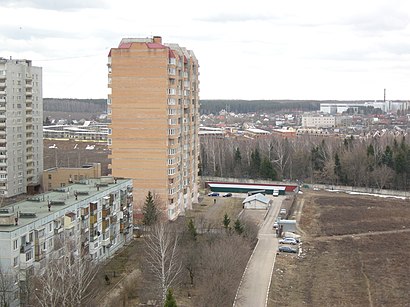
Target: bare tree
x: 223, y: 259
x: 162, y: 257
x: 382, y: 175
x: 66, y: 278
x: 8, y: 280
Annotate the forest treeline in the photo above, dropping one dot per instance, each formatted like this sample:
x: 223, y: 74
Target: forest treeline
x: 96, y: 106
x: 99, y: 106
x: 252, y: 106
x: 378, y: 162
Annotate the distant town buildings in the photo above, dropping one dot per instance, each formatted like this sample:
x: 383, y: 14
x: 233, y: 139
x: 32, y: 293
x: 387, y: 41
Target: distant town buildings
x: 21, y: 122
x: 88, y: 131
x: 153, y: 107
x: 315, y: 120
x: 384, y: 106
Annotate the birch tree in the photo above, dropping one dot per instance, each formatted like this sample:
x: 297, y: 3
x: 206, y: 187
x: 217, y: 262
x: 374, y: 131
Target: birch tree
x: 8, y: 280
x: 66, y: 278
x: 162, y: 258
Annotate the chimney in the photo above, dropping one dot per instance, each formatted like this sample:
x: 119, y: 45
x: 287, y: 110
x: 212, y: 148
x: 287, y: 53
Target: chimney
x: 157, y: 39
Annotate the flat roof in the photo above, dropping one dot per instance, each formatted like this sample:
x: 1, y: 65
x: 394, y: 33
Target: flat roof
x: 38, y: 205
x: 247, y: 186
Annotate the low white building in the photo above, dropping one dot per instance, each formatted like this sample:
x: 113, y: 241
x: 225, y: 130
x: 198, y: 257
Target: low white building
x: 257, y: 201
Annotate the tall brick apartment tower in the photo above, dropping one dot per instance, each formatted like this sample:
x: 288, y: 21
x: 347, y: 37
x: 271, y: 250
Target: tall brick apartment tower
x: 153, y: 106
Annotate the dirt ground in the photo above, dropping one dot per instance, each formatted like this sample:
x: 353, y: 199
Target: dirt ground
x: 73, y: 153
x: 354, y: 253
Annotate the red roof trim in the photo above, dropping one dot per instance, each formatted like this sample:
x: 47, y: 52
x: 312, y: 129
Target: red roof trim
x: 155, y: 46
x: 125, y: 46
x: 171, y: 53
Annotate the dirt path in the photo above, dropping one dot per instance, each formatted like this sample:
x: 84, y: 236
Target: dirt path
x: 363, y: 234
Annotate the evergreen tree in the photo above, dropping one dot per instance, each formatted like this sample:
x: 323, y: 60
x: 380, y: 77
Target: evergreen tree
x: 255, y: 163
x: 338, y: 167
x: 192, y: 230
x: 237, y: 157
x: 170, y: 299
x: 150, y: 210
x: 238, y: 227
x: 226, y: 221
x: 387, y: 157
x: 266, y: 170
x: 370, y: 150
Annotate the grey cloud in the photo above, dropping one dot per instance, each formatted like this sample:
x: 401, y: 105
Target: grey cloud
x: 55, y: 5
x: 225, y: 18
x: 16, y: 32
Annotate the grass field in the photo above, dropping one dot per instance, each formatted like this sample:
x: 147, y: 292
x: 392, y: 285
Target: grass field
x: 355, y: 253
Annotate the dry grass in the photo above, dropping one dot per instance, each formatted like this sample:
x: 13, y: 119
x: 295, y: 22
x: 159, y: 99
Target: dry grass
x: 355, y: 253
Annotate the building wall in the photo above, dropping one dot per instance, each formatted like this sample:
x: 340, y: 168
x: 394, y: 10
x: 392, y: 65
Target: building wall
x: 54, y: 178
x: 99, y: 222
x: 21, y: 121
x: 154, y: 107
x: 315, y: 121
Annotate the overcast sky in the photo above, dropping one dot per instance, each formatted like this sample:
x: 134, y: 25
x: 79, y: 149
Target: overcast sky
x: 259, y: 49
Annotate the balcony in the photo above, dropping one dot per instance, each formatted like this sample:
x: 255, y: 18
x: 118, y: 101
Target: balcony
x: 93, y: 220
x: 106, y: 212
x: 106, y: 241
x: 58, y: 230
x: 26, y: 247
x: 105, y: 225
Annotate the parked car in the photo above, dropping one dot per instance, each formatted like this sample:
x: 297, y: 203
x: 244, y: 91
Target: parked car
x: 288, y: 241
x: 282, y: 211
x: 287, y: 249
x: 213, y: 194
x: 227, y: 195
x: 275, y: 225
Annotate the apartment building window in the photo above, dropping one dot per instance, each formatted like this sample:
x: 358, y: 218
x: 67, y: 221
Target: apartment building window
x: 109, y: 131
x: 171, y: 171
x: 171, y: 91
x: 171, y: 191
x: 171, y: 131
x: 172, y: 111
x: 172, y: 61
x: 172, y: 71
x: 171, y: 101
x: 15, y: 244
x: 29, y: 255
x: 171, y: 161
x: 15, y: 261
x: 172, y: 151
x: 172, y: 121
x: 109, y: 141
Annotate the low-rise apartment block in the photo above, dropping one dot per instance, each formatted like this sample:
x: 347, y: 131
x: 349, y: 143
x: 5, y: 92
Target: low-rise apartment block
x: 96, y: 214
